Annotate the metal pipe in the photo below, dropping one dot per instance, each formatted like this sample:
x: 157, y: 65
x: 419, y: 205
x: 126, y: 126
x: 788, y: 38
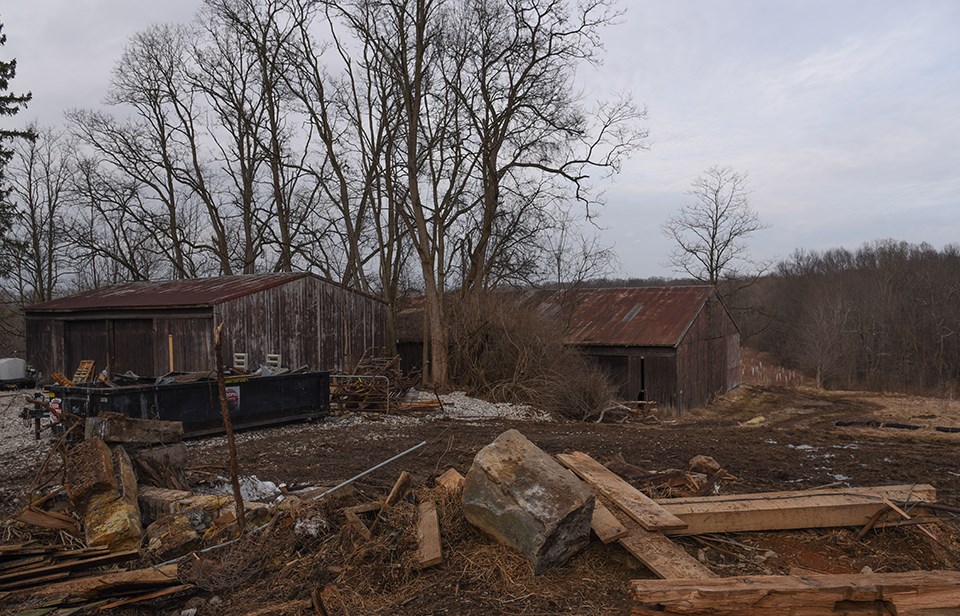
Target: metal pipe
x: 370, y: 470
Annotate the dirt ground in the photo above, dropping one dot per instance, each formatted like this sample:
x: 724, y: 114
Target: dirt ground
x: 770, y: 438
x: 796, y: 446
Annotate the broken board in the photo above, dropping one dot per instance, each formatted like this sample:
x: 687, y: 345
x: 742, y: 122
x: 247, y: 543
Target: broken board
x: 664, y: 557
x: 451, y: 480
x: 429, y: 552
x: 913, y: 593
x: 788, y: 510
x: 605, y: 525
x: 632, y: 501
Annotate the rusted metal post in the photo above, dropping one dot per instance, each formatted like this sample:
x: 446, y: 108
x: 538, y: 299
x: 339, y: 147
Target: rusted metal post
x: 228, y: 427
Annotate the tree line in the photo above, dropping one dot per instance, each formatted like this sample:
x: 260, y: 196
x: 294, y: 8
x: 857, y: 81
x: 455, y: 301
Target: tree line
x: 439, y: 144
x: 881, y: 317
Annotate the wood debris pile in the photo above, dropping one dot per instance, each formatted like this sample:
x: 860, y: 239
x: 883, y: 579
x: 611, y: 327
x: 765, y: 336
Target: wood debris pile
x: 409, y: 549
x: 377, y: 385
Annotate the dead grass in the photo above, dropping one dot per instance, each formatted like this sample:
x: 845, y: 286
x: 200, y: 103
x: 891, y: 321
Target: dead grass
x: 507, y: 352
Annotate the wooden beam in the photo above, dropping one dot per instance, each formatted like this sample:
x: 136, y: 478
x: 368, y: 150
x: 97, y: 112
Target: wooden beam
x: 664, y: 557
x: 605, y: 525
x: 429, y: 551
x: 913, y: 593
x: 788, y: 510
x: 632, y: 501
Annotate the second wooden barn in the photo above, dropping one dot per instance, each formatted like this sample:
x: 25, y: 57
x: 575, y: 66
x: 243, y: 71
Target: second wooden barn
x: 150, y: 328
x: 676, y: 346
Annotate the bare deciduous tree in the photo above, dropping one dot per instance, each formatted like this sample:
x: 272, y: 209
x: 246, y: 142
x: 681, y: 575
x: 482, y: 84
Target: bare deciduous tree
x: 710, y: 230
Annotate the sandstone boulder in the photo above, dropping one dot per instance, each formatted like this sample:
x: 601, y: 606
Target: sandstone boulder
x: 103, y: 488
x: 114, y: 428
x: 519, y: 495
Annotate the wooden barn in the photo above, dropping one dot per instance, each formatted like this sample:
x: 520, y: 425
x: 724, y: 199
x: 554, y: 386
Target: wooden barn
x: 676, y: 346
x: 152, y: 328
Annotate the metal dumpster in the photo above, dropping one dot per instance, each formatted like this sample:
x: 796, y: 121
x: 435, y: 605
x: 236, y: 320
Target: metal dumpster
x: 253, y: 401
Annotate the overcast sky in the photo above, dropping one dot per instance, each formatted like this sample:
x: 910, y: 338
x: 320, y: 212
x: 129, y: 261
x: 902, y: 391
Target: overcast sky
x: 845, y: 114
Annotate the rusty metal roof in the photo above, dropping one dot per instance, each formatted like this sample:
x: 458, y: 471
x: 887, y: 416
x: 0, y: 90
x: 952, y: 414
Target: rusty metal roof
x: 629, y: 316
x: 191, y: 293
x: 638, y: 316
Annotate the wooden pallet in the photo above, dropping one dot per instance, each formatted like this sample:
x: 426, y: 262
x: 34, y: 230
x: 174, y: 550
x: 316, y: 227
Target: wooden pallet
x: 84, y: 373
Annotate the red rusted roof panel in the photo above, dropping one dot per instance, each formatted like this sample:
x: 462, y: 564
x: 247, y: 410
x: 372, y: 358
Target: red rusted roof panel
x: 639, y: 316
x: 168, y: 293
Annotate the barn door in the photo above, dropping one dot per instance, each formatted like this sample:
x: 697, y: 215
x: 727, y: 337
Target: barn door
x: 132, y: 347
x: 84, y: 340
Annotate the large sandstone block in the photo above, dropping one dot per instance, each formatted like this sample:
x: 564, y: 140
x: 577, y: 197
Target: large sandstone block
x: 89, y: 471
x: 114, y: 428
x: 103, y: 488
x: 522, y: 497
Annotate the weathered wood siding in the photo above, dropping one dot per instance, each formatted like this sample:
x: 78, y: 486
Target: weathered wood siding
x: 44, y: 344
x: 708, y: 357
x: 308, y: 322
x: 192, y: 344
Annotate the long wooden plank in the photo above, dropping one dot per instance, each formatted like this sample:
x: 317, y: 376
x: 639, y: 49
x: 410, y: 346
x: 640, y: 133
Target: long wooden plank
x: 663, y: 557
x: 787, y: 510
x: 429, y: 552
x: 916, y: 592
x: 90, y: 586
x: 163, y: 592
x: 111, y: 558
x: 605, y: 525
x: 632, y: 501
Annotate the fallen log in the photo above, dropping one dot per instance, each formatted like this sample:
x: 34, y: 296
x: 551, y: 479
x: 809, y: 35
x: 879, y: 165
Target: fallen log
x: 914, y: 593
x: 788, y: 510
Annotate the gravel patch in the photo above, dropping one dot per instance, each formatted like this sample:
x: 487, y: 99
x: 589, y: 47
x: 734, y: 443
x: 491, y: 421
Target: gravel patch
x: 458, y: 405
x: 20, y: 453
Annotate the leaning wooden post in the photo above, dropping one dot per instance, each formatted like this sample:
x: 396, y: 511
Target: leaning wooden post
x: 228, y: 427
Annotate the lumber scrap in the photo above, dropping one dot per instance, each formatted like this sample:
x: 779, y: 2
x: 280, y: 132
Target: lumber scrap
x: 632, y: 501
x: 915, y: 593
x: 429, y: 551
x: 399, y: 490
x: 95, y: 586
x: 73, y: 564
x: 663, y: 557
x: 49, y: 519
x: 605, y: 525
x: 451, y: 480
x: 788, y: 510
x: 156, y: 594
